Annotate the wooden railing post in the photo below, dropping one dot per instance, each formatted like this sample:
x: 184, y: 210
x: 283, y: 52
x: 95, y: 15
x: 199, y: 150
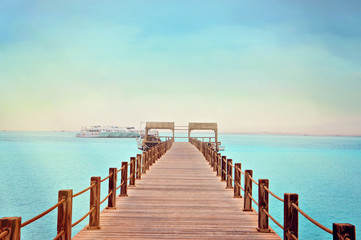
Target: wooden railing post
x: 158, y: 151
x: 263, y: 204
x: 290, y: 216
x: 154, y: 157
x: 124, y: 180
x: 94, y: 217
x: 342, y: 231
x: 212, y: 158
x: 215, y: 161
x: 219, y: 164
x: 229, y: 174
x: 224, y: 168
x: 112, y: 188
x: 13, y: 226
x: 65, y: 213
x: 247, y: 190
x: 132, y: 172
x: 147, y: 156
x: 154, y: 154
x: 139, y: 166
x: 237, y: 180
x: 143, y: 163
x: 207, y: 154
x: 151, y: 156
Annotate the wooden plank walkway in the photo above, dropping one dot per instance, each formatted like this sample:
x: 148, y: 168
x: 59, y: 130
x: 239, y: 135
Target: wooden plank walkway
x: 179, y: 198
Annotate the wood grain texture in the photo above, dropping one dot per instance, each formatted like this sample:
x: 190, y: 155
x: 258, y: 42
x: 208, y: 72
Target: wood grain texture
x: 179, y: 198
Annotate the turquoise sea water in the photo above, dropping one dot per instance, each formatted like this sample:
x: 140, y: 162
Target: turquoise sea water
x: 324, y: 171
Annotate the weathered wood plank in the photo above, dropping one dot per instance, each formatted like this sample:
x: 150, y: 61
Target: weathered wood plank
x: 179, y: 198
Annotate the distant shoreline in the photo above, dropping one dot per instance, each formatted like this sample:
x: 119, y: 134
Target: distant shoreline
x: 292, y: 134
x: 231, y: 133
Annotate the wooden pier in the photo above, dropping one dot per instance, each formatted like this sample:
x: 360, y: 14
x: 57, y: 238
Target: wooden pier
x: 183, y: 190
x: 179, y: 198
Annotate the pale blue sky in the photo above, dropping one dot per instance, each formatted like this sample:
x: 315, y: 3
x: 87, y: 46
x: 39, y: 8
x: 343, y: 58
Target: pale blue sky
x: 251, y: 66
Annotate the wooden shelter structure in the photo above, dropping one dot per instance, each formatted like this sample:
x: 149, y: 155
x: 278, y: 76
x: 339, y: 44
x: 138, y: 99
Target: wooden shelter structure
x: 158, y: 125
x: 204, y: 126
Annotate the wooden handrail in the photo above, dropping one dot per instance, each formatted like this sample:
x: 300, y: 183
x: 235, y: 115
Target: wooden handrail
x: 340, y: 232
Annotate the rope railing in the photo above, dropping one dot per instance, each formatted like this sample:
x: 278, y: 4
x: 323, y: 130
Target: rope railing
x: 121, y: 168
x: 43, y: 213
x: 106, y: 177
x: 106, y: 198
x: 59, y: 235
x: 83, y: 191
x: 274, y: 195
x: 339, y: 232
x: 239, y: 186
x: 293, y: 236
x: 131, y: 175
x: 255, y: 202
x: 4, y: 233
x: 312, y: 220
x: 274, y: 220
x: 132, y: 161
x: 254, y: 181
x: 65, y: 197
x: 241, y: 171
x: 83, y: 217
x: 238, y: 169
x: 121, y: 184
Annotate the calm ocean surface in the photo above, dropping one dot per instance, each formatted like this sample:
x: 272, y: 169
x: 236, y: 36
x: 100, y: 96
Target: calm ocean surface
x: 324, y: 171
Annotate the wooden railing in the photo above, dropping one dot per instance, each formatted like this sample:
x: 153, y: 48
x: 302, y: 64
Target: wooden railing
x: 223, y: 167
x: 10, y: 226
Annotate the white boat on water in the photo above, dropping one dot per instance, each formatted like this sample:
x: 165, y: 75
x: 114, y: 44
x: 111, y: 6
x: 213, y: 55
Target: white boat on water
x: 152, y: 135
x: 108, y: 132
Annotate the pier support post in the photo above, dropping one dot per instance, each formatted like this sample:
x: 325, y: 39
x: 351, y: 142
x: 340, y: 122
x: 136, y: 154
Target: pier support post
x: 139, y: 166
x: 263, y: 203
x: 94, y: 217
x: 154, y: 157
x: 224, y: 168
x: 158, y: 151
x: 65, y: 213
x: 219, y: 164
x: 237, y: 180
x: 290, y: 216
x: 247, y: 190
x: 213, y: 158
x: 124, y: 180
x: 147, y: 162
x: 12, y: 225
x: 215, y: 161
x: 151, y: 156
x: 143, y: 163
x: 207, y: 153
x: 112, y: 188
x: 342, y: 231
x: 229, y: 174
x: 132, y: 172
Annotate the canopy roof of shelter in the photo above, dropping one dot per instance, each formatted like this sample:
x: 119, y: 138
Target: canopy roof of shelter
x: 160, y: 125
x: 202, y: 126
